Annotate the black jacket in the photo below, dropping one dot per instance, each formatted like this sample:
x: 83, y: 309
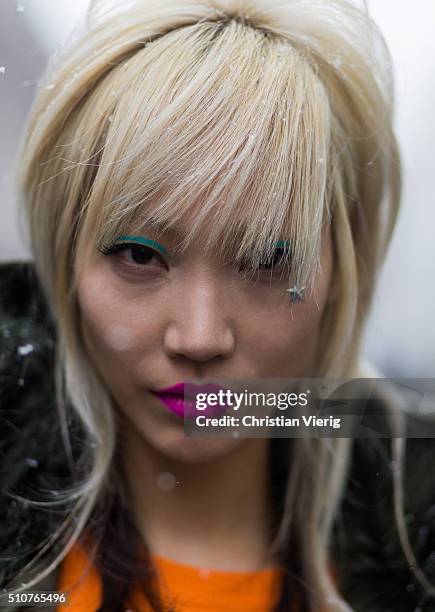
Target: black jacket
x: 374, y: 575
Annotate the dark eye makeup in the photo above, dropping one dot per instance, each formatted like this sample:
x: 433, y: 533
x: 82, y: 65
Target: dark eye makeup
x: 277, y: 260
x: 142, y: 255
x: 139, y: 254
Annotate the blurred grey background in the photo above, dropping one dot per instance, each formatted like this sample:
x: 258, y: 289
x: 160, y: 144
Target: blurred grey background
x: 400, y: 339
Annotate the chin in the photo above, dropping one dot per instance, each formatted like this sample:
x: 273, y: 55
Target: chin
x: 179, y: 447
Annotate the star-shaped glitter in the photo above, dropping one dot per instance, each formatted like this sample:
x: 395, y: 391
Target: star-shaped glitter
x: 296, y: 293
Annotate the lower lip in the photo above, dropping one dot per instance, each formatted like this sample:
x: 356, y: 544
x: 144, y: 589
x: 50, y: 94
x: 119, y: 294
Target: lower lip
x: 185, y: 407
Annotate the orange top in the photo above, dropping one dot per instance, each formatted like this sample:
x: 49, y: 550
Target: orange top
x: 195, y: 589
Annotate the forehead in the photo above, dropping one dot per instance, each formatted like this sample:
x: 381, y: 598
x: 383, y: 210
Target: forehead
x: 234, y: 169
x: 241, y: 225
x: 177, y: 231
x: 227, y: 229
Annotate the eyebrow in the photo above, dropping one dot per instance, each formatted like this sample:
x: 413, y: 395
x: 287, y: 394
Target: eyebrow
x: 145, y: 241
x: 156, y: 245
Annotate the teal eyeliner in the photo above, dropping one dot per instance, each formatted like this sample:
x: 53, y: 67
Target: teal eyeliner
x: 144, y: 241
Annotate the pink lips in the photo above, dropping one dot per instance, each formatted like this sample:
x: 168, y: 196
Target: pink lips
x: 180, y: 399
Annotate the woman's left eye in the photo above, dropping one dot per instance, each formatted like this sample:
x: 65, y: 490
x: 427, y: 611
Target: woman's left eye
x: 275, y: 260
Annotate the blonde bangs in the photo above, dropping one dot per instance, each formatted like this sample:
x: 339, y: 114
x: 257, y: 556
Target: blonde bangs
x: 218, y: 128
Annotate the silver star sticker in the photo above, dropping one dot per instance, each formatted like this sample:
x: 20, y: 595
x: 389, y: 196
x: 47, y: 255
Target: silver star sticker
x: 296, y: 293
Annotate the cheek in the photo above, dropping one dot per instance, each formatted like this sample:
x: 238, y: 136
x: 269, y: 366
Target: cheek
x: 112, y: 328
x: 286, y: 340
x: 286, y: 346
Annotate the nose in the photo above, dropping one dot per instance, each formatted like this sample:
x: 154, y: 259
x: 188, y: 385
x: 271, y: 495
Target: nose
x: 201, y: 328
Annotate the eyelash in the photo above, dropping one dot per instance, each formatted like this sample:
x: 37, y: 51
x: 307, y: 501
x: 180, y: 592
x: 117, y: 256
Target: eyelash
x: 124, y: 246
x: 273, y: 265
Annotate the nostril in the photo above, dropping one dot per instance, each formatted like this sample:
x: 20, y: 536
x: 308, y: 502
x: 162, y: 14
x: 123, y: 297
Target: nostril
x: 198, y: 345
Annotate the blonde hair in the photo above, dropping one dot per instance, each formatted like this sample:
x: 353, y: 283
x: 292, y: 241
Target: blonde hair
x: 277, y: 117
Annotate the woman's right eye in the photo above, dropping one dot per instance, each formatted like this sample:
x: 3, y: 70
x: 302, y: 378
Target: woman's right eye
x: 134, y: 254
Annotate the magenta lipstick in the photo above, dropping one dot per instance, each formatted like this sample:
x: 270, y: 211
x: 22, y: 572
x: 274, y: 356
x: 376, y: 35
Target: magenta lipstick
x: 180, y: 399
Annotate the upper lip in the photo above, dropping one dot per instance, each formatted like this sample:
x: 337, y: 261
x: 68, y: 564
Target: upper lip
x: 192, y: 389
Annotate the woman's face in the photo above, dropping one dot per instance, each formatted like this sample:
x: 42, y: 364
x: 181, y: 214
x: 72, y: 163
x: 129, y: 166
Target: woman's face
x: 152, y: 318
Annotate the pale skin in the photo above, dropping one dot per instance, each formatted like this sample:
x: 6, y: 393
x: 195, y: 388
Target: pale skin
x: 149, y: 326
